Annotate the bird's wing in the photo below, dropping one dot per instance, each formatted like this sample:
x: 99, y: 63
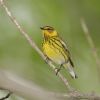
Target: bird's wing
x: 66, y: 48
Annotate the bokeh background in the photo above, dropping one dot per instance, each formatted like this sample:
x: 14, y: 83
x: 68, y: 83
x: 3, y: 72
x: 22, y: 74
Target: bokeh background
x: 18, y: 56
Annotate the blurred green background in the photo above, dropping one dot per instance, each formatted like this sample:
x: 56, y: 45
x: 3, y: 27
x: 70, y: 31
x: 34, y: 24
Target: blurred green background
x: 18, y: 56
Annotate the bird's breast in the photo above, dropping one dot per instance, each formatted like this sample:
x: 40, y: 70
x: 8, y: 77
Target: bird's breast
x: 55, y: 54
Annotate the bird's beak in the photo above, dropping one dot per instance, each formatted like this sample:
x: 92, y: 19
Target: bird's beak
x: 41, y: 28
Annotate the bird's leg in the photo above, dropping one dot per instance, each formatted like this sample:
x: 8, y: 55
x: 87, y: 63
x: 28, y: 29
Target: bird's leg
x: 58, y: 69
x: 47, y: 59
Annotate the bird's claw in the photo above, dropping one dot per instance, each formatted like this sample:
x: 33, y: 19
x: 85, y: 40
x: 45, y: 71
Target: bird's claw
x: 57, y: 70
x: 47, y: 59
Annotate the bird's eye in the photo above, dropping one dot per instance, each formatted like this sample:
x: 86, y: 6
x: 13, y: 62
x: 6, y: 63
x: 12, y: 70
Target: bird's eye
x: 49, y: 29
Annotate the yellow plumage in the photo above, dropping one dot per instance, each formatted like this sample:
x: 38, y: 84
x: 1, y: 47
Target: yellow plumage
x: 56, y: 50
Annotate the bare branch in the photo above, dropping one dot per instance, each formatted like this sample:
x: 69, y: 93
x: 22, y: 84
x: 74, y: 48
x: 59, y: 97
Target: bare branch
x: 29, y: 90
x: 77, y: 96
x: 34, y: 46
x: 91, y: 43
x: 23, y: 88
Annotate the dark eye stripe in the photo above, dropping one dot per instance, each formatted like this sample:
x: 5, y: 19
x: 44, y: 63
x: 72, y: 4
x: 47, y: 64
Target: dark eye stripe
x: 49, y: 29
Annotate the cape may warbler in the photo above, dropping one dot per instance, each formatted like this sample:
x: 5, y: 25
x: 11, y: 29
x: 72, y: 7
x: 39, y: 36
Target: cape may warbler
x: 56, y: 50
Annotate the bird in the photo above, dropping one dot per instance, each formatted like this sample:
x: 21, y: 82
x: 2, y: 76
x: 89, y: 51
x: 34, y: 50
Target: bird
x: 56, y: 50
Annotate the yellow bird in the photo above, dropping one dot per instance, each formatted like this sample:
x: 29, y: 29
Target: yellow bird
x: 56, y: 50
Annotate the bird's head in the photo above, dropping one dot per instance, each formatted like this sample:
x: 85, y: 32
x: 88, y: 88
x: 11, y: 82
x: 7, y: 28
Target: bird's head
x: 48, y: 31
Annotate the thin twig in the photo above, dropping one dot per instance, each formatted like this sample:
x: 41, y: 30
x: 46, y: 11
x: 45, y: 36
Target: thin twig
x: 34, y: 46
x: 8, y: 94
x: 78, y: 96
x: 91, y: 43
x: 6, y: 97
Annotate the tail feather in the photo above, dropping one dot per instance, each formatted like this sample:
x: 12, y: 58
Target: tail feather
x: 70, y: 69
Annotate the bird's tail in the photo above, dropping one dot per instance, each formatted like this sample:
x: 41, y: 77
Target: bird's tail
x: 70, y: 69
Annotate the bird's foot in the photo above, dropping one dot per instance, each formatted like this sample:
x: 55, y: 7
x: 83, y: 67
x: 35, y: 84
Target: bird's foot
x: 57, y: 70
x: 47, y: 59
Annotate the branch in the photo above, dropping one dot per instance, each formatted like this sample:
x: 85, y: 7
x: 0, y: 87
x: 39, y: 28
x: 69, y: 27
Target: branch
x: 30, y: 91
x: 78, y: 96
x: 91, y: 43
x: 23, y: 88
x: 34, y: 46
